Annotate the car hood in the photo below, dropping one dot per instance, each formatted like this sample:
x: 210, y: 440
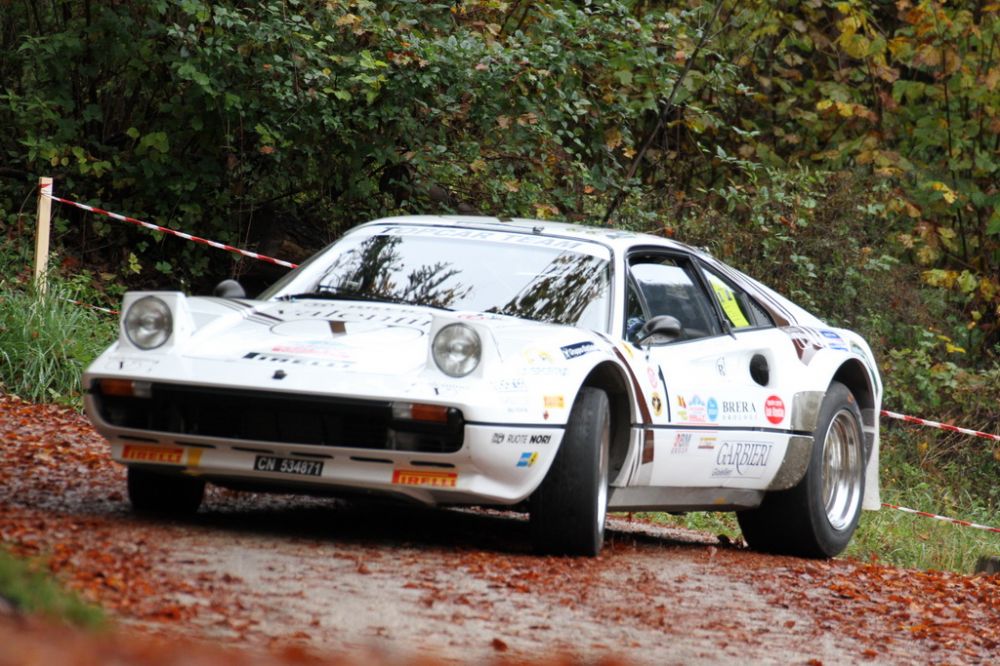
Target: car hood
x: 352, y: 336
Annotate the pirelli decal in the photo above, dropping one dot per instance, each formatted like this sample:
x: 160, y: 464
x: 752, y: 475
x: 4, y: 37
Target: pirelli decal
x: 153, y: 454
x: 411, y: 477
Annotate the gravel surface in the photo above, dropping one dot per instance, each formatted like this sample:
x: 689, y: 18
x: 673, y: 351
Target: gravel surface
x: 289, y: 579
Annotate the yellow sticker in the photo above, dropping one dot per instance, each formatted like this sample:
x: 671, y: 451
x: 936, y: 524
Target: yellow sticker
x: 727, y: 299
x: 555, y: 402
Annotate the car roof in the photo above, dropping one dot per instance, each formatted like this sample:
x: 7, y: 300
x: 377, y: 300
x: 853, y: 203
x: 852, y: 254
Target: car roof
x: 615, y: 238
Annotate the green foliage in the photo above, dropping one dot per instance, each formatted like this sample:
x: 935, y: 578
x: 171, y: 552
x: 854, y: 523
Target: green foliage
x: 194, y: 116
x: 916, y: 476
x: 47, y: 340
x: 33, y: 592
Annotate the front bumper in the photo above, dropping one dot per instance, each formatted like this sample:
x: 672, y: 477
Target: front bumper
x: 323, y: 445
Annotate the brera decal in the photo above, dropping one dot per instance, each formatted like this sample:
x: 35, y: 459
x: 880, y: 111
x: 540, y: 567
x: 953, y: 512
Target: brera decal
x: 737, y: 410
x: 412, y: 477
x: 578, y: 349
x: 528, y: 458
x: 152, y: 454
x: 742, y: 459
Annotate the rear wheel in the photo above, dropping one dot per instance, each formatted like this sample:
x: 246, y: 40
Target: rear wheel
x: 164, y: 494
x: 817, y: 517
x: 569, y: 508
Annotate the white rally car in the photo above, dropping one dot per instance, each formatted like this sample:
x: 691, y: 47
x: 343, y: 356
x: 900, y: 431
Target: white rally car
x: 557, y: 368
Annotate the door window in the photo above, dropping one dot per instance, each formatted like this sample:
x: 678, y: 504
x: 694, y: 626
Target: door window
x: 665, y: 285
x: 739, y: 309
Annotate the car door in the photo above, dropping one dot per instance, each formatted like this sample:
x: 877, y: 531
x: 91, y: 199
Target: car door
x: 719, y: 417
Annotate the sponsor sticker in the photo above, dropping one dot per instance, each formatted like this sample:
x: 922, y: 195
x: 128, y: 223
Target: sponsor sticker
x: 834, y: 340
x: 536, y: 356
x: 555, y: 402
x: 657, y: 403
x: 153, y: 454
x: 415, y: 477
x: 712, y: 409
x: 507, y: 385
x: 774, y: 409
x: 578, y: 349
x: 652, y: 378
x: 706, y: 444
x: 528, y: 458
x: 697, y: 410
x: 744, y: 459
x: 521, y: 438
x: 681, y: 443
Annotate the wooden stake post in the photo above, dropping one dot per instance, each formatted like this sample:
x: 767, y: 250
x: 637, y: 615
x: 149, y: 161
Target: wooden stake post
x: 42, y: 235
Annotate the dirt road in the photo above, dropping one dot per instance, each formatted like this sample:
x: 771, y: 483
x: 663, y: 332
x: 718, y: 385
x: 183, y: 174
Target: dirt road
x: 390, y: 584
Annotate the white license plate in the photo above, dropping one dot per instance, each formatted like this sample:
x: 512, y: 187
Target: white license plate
x: 288, y: 466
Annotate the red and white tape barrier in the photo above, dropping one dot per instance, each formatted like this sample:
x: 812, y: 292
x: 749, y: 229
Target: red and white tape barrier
x: 949, y: 520
x: 94, y: 307
x: 47, y: 192
x: 943, y: 426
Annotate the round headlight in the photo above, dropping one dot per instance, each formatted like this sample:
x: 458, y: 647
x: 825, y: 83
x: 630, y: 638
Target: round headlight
x: 148, y: 323
x: 457, y: 350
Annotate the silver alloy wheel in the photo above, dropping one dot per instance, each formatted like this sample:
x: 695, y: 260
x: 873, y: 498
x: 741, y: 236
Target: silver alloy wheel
x: 842, y: 469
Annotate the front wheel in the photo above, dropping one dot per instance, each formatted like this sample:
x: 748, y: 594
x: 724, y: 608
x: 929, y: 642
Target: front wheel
x: 164, y: 494
x: 817, y: 517
x: 569, y: 508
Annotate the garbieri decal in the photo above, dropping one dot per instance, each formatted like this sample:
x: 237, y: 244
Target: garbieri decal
x: 746, y: 459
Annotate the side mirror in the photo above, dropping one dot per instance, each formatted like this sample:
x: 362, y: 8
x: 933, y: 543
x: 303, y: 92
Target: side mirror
x: 665, y: 327
x: 229, y: 289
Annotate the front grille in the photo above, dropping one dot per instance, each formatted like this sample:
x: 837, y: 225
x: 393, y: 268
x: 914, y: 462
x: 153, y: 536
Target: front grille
x: 267, y: 416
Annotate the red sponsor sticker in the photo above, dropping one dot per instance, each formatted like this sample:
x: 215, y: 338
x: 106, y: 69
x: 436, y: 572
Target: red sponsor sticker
x: 410, y: 477
x: 153, y: 454
x: 774, y: 409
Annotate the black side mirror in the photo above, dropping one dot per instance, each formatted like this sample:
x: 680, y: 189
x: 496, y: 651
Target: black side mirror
x: 229, y: 289
x: 661, y: 326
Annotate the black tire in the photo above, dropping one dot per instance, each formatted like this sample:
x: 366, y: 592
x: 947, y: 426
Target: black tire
x: 569, y: 508
x: 164, y: 494
x: 817, y: 517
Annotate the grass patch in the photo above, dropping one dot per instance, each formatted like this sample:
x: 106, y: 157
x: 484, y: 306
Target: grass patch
x: 46, y: 342
x: 32, y: 591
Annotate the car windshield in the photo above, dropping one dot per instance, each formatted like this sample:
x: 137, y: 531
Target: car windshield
x: 523, y: 275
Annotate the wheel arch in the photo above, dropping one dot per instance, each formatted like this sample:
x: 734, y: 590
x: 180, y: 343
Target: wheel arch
x: 855, y: 376
x: 611, y: 379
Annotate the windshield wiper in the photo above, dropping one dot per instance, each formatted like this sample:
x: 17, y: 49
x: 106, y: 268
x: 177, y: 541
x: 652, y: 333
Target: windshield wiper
x: 334, y: 294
